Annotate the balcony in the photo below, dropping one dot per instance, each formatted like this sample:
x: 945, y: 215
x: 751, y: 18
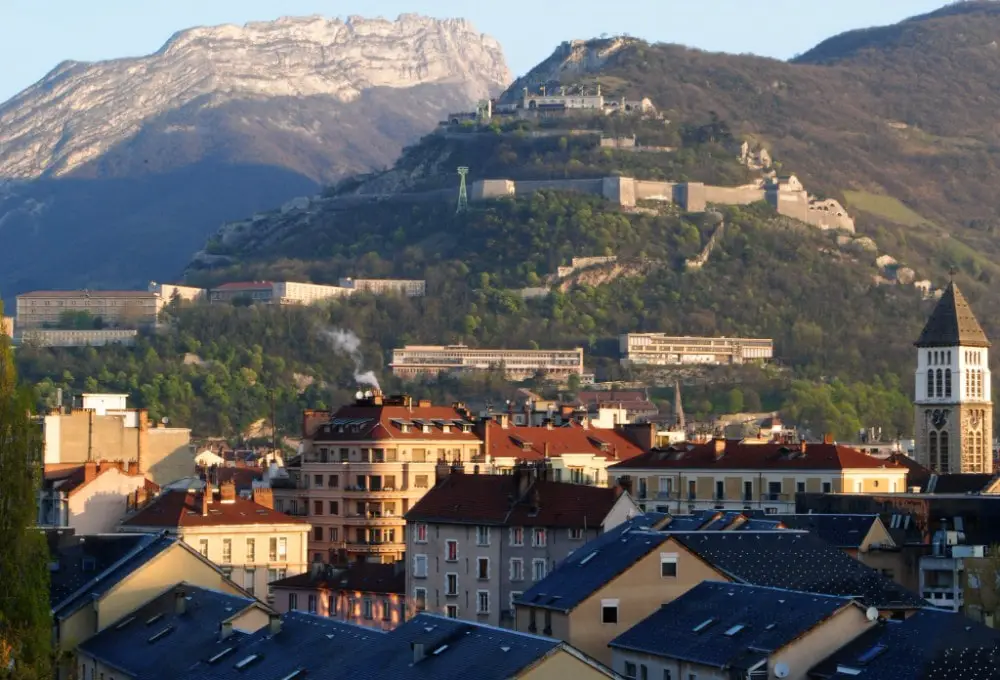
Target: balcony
x: 373, y: 519
x: 374, y: 547
x: 385, y: 492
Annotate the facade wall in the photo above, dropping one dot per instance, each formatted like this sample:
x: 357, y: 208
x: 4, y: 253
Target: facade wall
x: 820, y: 642
x: 7, y: 326
x: 561, y: 664
x: 660, y: 349
x: 662, y: 667
x: 98, y: 507
x: 131, y: 309
x: 408, y: 287
x: 646, y: 190
x: 744, y: 195
x: 518, y: 364
x: 52, y: 337
x: 374, y: 610
x: 292, y: 293
x: 486, y: 189
x: 168, y: 291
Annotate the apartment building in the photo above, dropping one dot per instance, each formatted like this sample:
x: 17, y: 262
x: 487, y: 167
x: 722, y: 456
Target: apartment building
x: 115, y: 308
x: 517, y: 364
x: 363, y: 467
x: 251, y: 542
x: 477, y: 542
x: 369, y: 594
x: 659, y: 349
x: 91, y: 498
x: 276, y: 293
x: 736, y: 475
x: 407, y: 287
x: 65, y: 337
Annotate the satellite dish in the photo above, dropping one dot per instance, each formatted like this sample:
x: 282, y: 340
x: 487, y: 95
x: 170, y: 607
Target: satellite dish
x: 871, y: 614
x: 359, y: 394
x: 781, y: 670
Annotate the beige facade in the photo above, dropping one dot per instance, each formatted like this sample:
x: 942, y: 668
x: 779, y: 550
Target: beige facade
x: 94, y: 506
x: 383, y: 611
x: 518, y: 364
x: 64, y: 337
x: 168, y: 291
x: 563, y: 663
x: 407, y: 287
x: 659, y: 349
x: 125, y: 309
x: 164, y: 454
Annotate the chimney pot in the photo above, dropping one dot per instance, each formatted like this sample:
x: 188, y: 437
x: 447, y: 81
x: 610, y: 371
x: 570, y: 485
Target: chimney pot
x: 227, y: 630
x: 180, y: 602
x: 418, y: 652
x: 274, y: 624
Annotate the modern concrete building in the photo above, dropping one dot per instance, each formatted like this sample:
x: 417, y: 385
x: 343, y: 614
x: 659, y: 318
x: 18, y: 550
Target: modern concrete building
x: 276, y: 293
x: 517, y: 364
x: 251, y: 542
x: 407, y: 287
x: 659, y: 349
x: 169, y: 291
x: 114, y: 308
x: 476, y: 542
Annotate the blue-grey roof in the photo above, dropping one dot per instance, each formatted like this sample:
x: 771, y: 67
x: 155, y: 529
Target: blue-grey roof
x: 842, y: 531
x: 315, y: 645
x: 158, y: 642
x: 796, y: 560
x: 455, y: 650
x: 729, y: 625
x: 930, y: 645
x: 84, y: 568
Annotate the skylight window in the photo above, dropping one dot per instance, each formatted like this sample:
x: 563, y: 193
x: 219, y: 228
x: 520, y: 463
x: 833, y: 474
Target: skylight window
x: 769, y: 626
x: 246, y: 661
x: 154, y: 618
x: 703, y: 625
x: 294, y: 674
x: 440, y: 649
x: 163, y: 633
x: 735, y: 629
x: 125, y: 623
x: 588, y: 558
x: 872, y: 654
x: 220, y: 655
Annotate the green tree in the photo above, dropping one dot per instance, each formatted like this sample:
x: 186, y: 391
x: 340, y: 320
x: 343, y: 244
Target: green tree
x: 25, y: 620
x: 734, y: 401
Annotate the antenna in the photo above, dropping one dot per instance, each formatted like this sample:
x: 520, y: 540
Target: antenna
x: 781, y: 670
x: 463, y: 196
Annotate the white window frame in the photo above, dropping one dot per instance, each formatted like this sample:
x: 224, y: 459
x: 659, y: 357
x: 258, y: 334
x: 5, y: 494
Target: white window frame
x: 447, y: 577
x: 227, y: 551
x: 479, y: 602
x: 282, y: 549
x: 447, y: 544
x: 668, y: 558
x: 514, y: 531
x: 249, y: 580
x: 480, y: 560
x: 606, y: 604
x: 534, y: 569
x: 251, y: 553
x: 519, y: 561
x: 420, y: 532
x: 576, y: 534
x: 483, y: 536
x: 535, y: 533
x: 417, y: 561
x: 514, y: 594
x: 203, y: 547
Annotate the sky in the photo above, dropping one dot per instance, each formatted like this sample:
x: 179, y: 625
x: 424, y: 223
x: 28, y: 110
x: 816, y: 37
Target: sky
x: 35, y: 35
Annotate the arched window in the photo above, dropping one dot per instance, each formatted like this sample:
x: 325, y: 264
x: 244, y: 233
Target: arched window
x: 939, y: 379
x: 932, y: 449
x: 930, y: 383
x: 943, y: 446
x: 947, y: 382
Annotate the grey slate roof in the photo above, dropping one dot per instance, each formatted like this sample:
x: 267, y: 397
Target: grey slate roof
x: 315, y: 645
x: 455, y: 650
x: 158, y: 642
x: 796, y: 560
x: 952, y: 323
x: 930, y: 645
x: 86, y: 567
x: 770, y: 619
x: 842, y: 531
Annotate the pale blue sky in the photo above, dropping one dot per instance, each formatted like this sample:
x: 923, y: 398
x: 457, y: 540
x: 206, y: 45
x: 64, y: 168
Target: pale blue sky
x: 35, y: 35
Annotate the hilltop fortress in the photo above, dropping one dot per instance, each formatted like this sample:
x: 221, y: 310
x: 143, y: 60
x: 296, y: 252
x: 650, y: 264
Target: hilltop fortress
x: 783, y: 193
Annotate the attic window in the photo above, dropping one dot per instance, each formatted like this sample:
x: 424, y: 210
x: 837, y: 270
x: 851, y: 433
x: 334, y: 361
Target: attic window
x: 163, y: 633
x: 154, y: 618
x: 769, y: 626
x: 847, y: 670
x: 243, y: 663
x: 220, y: 655
x: 439, y: 650
x: 871, y: 654
x: 734, y: 630
x: 294, y: 674
x: 588, y: 557
x: 703, y: 625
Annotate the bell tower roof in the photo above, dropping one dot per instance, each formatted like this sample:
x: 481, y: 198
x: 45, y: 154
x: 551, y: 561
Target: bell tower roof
x: 952, y: 323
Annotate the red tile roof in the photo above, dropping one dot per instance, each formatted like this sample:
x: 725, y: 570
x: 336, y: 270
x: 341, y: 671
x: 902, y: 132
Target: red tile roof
x: 365, y: 577
x: 538, y: 443
x: 374, y: 423
x: 242, y: 477
x: 183, y: 509
x: 494, y: 499
x: 739, y: 456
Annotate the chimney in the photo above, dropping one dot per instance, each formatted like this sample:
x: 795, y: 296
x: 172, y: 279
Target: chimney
x: 828, y: 438
x: 424, y: 403
x: 132, y: 467
x: 418, y: 651
x: 549, y: 424
x: 205, y: 494
x: 90, y: 469
x: 264, y: 496
x: 227, y: 492
x: 504, y: 420
x: 546, y: 449
x: 227, y: 630
x: 274, y: 624
x: 720, y: 448
x: 802, y: 447
x: 180, y: 602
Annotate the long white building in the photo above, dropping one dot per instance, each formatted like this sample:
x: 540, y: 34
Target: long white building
x: 518, y: 364
x: 658, y: 349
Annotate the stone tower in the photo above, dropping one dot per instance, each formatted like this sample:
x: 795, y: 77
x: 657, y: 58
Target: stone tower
x: 953, y: 405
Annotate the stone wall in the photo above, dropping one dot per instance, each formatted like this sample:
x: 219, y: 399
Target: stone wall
x: 654, y: 191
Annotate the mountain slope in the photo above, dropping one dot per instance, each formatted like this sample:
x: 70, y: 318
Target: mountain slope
x: 273, y: 109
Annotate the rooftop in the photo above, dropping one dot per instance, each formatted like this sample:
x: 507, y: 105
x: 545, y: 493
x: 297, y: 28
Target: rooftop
x: 729, y: 625
x: 364, y: 577
x: 734, y: 454
x: 72, y: 478
x: 952, y: 323
x: 842, y: 531
x: 496, y: 500
x: 88, y: 293
x: 175, y: 508
x: 539, y: 443
x: 374, y: 421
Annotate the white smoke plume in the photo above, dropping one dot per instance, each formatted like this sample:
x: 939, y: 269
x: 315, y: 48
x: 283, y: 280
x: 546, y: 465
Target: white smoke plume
x: 349, y: 343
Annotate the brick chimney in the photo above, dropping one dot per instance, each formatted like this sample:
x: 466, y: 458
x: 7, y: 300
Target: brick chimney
x: 227, y: 492
x: 828, y: 438
x: 206, y: 494
x: 546, y: 449
x: 90, y: 469
x: 263, y: 495
x: 720, y: 448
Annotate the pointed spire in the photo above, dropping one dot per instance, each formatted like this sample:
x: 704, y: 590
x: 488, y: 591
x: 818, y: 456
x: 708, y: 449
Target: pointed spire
x: 678, y: 406
x: 952, y: 323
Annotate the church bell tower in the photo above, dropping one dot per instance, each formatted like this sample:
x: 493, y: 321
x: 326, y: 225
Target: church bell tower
x: 953, y: 405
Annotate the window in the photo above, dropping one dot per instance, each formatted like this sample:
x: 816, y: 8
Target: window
x: 366, y: 609
x: 800, y: 487
x: 451, y: 584
x: 386, y: 609
x: 203, y: 547
x: 227, y: 550
x: 249, y: 578
x: 273, y: 550
x: 947, y: 382
x: 826, y: 487
x: 515, y: 595
x: 482, y: 602
x: 334, y: 507
x: 317, y: 533
x: 643, y: 672
x: 317, y: 507
x: 420, y: 481
x: 420, y: 533
x: 538, y: 538
x: 333, y: 481
x: 692, y: 489
x: 451, y: 611
x: 517, y: 536
x: 609, y: 611
x: 720, y: 490
x: 773, y: 491
x: 483, y: 568
x: 317, y: 480
x: 482, y: 536
x: 537, y: 570
x: 420, y: 599
x: 420, y: 566
x: 282, y: 548
x: 293, y: 601
x: 516, y: 569
x: 668, y: 565
x: 334, y: 534
x: 251, y: 551
x: 667, y: 674
x: 630, y: 671
x: 451, y: 551
x: 312, y: 604
x: 331, y: 605
x: 748, y: 491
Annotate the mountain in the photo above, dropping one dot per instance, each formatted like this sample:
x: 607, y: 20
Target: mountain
x: 112, y: 173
